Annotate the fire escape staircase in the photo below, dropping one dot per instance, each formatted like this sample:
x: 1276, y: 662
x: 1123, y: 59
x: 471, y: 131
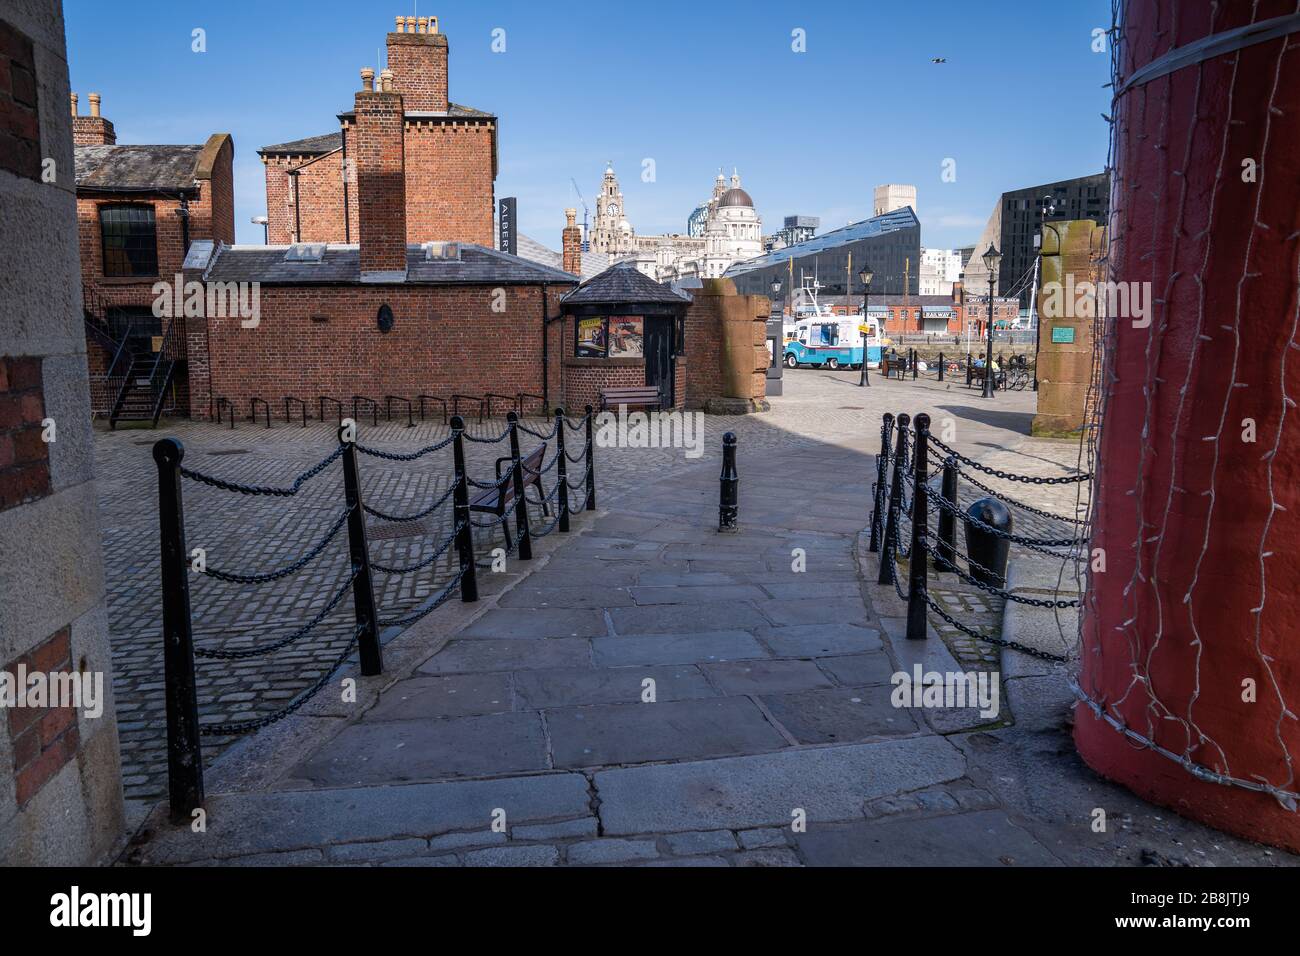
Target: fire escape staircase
x: 136, y: 383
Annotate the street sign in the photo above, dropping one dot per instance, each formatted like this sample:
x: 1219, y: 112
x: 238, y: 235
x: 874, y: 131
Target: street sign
x: 1062, y: 335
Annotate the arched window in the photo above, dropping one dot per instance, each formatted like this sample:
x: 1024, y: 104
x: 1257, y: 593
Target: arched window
x: 130, y: 240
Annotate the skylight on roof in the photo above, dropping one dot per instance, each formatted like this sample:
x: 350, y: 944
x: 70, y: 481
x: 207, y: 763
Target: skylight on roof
x: 441, y: 250
x: 305, y: 252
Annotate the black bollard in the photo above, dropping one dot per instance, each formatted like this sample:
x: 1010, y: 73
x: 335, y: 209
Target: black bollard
x: 987, y: 551
x: 889, y: 539
x: 941, y: 366
x: 879, y: 490
x: 969, y: 370
x: 917, y: 564
x: 915, y: 359
x: 729, y: 492
x: 946, y: 550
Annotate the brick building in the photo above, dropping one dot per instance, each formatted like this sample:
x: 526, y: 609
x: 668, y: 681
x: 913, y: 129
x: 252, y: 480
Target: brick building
x: 448, y: 154
x: 60, y: 779
x: 138, y: 210
x: 934, y: 314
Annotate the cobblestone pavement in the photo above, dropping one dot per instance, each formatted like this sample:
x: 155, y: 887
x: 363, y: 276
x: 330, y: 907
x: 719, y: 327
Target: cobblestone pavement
x: 259, y: 534
x: 650, y: 692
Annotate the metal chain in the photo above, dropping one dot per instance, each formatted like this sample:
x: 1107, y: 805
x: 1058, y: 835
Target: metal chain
x: 248, y: 726
x: 536, y: 434
x: 442, y: 549
x: 407, y: 519
x: 989, y: 588
x: 424, y: 612
x: 410, y: 456
x: 487, y: 485
x: 284, y: 642
x: 1007, y: 476
x: 1034, y: 544
x: 486, y: 441
x: 298, y: 565
x: 1021, y: 505
x: 289, y: 492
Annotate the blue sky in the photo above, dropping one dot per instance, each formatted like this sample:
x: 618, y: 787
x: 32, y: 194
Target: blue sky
x: 693, y: 86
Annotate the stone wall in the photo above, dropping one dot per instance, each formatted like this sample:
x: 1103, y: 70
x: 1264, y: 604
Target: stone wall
x: 726, y: 345
x: 60, y: 781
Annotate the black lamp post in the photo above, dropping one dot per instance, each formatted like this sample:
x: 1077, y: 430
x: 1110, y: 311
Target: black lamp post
x: 991, y: 260
x: 865, y: 276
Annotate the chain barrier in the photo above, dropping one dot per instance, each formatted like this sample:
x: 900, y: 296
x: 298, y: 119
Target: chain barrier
x: 407, y: 519
x: 232, y: 578
x: 184, y: 729
x: 264, y: 490
x: 1008, y: 476
x: 1020, y: 504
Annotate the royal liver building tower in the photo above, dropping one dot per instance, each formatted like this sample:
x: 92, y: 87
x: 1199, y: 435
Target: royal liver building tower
x: 611, y: 233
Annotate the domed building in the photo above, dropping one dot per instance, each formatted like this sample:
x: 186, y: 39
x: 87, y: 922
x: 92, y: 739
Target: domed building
x: 723, y: 230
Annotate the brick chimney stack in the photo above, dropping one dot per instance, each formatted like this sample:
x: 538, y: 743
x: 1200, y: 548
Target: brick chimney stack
x: 92, y: 130
x: 377, y: 151
x: 571, y: 244
x: 417, y: 55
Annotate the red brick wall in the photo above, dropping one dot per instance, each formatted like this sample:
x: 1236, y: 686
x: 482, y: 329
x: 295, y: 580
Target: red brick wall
x: 44, y: 739
x: 703, y: 350
x: 24, y: 456
x: 381, y: 188
x: 20, y: 133
x: 450, y: 187
x: 445, y: 340
x: 419, y: 65
x: 585, y: 378
x: 212, y: 213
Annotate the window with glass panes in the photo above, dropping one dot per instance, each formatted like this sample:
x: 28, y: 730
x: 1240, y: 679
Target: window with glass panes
x: 130, y: 240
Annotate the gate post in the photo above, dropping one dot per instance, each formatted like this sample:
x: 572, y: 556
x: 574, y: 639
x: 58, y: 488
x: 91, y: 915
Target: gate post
x: 890, y: 542
x: 363, y: 589
x: 521, y: 503
x: 184, y: 753
x: 917, y: 562
x: 878, y: 495
x: 461, y: 516
x: 562, y: 467
x: 591, y: 461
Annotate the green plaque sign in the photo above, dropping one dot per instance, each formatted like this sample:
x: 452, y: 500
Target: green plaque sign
x: 1062, y: 335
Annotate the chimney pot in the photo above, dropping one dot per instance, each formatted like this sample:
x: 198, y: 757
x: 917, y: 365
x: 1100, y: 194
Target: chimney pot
x: 386, y: 81
x: 433, y: 24
x: 74, y: 104
x: 401, y: 23
x: 571, y: 217
x: 410, y: 24
x: 94, y: 104
x: 423, y: 24
x: 367, y: 78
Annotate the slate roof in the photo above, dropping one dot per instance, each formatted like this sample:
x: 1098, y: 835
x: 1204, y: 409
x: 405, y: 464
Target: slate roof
x: 593, y: 263
x: 311, y: 146
x: 136, y: 168
x: 453, y: 111
x: 623, y: 282
x: 341, y: 265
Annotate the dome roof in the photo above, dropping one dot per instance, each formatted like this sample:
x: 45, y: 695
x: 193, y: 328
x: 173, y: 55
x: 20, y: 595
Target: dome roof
x: 736, y: 197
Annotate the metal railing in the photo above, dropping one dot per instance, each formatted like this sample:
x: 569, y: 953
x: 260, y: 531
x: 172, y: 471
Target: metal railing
x: 184, y: 727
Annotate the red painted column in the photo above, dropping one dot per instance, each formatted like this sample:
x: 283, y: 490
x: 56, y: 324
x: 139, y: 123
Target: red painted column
x: 1199, y: 524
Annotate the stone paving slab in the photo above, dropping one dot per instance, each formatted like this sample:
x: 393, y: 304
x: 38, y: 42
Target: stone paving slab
x: 649, y: 596
x: 765, y: 677
x: 840, y: 715
x: 819, y: 640
x: 243, y: 824
x: 858, y: 670
x: 471, y: 656
x: 673, y: 730
x: 625, y: 650
x: 985, y: 838
x: 829, y: 783
x: 541, y: 689
x: 461, y: 695
x: 381, y: 752
x: 718, y: 615
x: 514, y: 623
x: 591, y: 596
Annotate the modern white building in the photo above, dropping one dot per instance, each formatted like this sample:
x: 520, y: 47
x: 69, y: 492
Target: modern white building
x: 940, y: 268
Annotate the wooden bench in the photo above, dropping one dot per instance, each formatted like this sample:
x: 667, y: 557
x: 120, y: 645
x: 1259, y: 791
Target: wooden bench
x: 643, y: 396
x: 496, y: 501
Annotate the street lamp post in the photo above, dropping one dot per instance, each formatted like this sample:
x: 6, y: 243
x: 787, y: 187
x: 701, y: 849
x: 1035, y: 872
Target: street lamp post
x: 865, y: 276
x: 991, y: 260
